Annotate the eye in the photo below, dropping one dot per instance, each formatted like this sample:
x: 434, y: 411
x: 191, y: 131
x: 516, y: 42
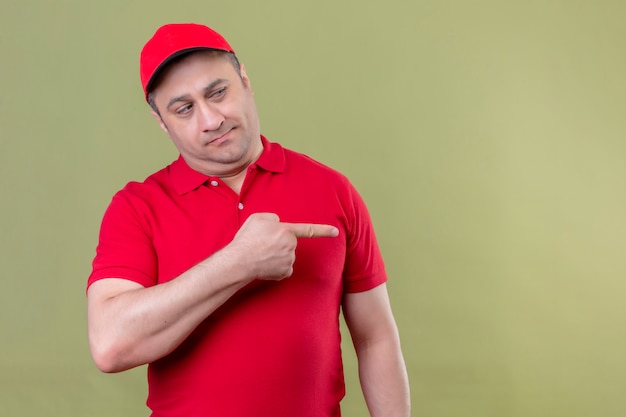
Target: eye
x: 184, y: 109
x: 219, y: 93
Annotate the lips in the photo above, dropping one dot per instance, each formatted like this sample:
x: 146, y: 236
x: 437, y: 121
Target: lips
x: 220, y: 139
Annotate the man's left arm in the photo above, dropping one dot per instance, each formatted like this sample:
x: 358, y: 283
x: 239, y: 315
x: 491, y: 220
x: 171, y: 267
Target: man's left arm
x: 382, y: 371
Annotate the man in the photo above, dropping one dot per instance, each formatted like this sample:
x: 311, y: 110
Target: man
x: 226, y: 271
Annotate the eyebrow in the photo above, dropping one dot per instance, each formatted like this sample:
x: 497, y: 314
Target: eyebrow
x: 186, y: 97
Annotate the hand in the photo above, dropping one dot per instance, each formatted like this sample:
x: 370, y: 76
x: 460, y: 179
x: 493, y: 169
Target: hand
x: 268, y: 246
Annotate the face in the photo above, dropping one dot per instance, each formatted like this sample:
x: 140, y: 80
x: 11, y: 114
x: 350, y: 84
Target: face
x: 208, y: 111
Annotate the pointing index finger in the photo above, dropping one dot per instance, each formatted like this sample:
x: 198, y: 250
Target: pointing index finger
x: 309, y: 230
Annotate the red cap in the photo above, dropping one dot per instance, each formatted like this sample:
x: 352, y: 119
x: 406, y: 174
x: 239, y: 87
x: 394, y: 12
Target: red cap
x: 172, y: 40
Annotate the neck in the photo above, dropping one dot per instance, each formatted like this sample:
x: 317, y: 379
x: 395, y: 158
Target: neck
x: 235, y: 181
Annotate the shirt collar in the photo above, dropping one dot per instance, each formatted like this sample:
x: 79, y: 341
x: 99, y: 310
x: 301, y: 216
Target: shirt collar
x: 185, y: 179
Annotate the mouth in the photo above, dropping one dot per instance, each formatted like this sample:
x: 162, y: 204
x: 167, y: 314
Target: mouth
x: 220, y: 139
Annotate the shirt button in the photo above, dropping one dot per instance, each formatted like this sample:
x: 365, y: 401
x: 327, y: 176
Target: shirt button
x: 214, y: 183
x: 240, y: 206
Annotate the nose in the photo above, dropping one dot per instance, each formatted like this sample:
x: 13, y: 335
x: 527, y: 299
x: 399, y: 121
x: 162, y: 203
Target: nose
x: 209, y: 118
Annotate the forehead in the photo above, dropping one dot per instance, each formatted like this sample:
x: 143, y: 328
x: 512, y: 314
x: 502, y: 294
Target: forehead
x: 182, y: 67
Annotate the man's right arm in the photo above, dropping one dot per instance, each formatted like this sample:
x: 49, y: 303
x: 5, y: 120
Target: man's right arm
x: 130, y: 325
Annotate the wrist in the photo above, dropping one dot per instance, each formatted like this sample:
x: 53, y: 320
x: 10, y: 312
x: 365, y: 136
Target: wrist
x: 234, y: 262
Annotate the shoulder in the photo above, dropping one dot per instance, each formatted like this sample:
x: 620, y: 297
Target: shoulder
x: 304, y: 164
x: 139, y: 198
x: 306, y: 173
x: 154, y: 186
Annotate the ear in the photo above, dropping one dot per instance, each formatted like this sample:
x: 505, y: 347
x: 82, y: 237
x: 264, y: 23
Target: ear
x: 160, y: 121
x: 244, y: 76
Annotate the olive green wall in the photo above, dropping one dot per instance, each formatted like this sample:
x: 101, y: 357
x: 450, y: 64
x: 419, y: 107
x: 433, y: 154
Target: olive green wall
x: 487, y: 137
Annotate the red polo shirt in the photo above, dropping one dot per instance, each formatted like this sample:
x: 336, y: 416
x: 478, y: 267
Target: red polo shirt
x: 273, y: 349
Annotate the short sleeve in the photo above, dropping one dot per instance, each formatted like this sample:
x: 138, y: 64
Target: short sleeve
x: 364, y: 268
x: 125, y: 249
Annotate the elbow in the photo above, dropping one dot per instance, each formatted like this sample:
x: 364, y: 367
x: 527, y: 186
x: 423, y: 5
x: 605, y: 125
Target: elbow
x: 108, y: 357
x: 389, y: 343
x: 106, y: 361
x: 107, y: 366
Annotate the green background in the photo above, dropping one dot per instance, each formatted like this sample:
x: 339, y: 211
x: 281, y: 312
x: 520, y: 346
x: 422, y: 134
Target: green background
x: 487, y: 137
